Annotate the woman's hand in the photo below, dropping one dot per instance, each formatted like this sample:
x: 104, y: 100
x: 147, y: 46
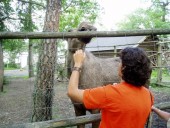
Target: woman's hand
x: 153, y: 108
x: 79, y: 57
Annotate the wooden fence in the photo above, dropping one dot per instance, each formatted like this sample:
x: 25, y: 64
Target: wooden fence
x: 74, y: 121
x: 47, y: 35
x: 62, y: 35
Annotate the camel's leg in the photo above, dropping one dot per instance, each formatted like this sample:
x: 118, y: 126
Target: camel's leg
x: 80, y: 111
x: 97, y: 123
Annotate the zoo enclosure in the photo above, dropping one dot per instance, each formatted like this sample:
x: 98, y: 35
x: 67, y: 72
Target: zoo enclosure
x: 46, y: 35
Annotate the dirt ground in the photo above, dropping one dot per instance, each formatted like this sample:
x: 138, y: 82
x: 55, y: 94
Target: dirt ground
x: 16, y: 101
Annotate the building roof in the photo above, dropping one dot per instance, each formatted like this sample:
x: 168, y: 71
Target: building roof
x: 108, y: 43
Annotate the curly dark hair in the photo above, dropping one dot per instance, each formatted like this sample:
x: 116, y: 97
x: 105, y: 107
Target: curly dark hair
x: 136, y: 66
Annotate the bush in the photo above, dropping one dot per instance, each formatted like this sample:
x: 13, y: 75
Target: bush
x: 12, y: 66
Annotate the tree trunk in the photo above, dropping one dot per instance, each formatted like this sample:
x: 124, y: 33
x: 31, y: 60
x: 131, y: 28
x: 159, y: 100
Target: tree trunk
x: 43, y: 95
x: 30, y: 60
x: 30, y: 28
x: 1, y: 67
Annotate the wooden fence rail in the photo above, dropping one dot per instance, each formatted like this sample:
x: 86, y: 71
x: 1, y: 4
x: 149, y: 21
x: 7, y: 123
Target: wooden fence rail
x: 71, y: 121
x: 48, y: 35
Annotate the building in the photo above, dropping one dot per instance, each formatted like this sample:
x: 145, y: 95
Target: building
x: 111, y: 46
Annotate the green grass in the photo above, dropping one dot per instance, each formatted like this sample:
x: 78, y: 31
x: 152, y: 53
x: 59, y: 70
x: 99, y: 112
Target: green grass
x: 165, y: 73
x: 15, y: 77
x: 164, y: 87
x: 10, y: 68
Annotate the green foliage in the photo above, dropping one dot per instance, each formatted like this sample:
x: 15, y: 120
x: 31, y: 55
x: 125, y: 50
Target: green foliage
x: 5, y: 11
x: 74, y: 12
x: 149, y: 18
x: 8, y: 68
x: 15, y: 46
x: 154, y: 73
x: 25, y: 12
x: 165, y: 72
x: 11, y: 66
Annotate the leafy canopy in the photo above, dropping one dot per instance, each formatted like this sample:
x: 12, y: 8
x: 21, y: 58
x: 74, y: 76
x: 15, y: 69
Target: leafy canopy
x: 75, y: 11
x: 155, y: 16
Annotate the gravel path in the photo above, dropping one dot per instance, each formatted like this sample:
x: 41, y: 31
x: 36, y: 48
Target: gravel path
x: 16, y: 73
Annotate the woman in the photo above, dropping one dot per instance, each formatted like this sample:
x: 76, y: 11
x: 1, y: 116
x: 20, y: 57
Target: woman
x: 124, y: 105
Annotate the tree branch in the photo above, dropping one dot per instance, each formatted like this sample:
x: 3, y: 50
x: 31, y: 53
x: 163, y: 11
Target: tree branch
x: 7, y: 17
x: 33, y: 2
x: 3, y: 18
x: 64, y: 9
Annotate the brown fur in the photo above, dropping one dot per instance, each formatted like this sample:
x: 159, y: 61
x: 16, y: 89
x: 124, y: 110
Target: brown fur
x: 95, y: 71
x: 98, y: 71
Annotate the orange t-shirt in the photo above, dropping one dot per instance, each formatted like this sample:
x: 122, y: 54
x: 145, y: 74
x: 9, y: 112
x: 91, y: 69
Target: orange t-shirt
x: 122, y: 105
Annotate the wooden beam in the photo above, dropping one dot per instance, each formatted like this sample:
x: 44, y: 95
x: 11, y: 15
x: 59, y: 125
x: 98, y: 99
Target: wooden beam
x: 163, y: 105
x: 59, y: 123
x: 62, y: 35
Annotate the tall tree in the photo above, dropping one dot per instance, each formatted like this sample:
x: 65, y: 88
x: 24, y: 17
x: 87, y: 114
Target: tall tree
x: 43, y: 95
x: 156, y: 16
x: 4, y: 15
x: 63, y: 11
x: 163, y: 5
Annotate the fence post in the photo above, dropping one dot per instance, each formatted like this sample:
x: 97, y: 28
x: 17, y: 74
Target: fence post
x: 115, y: 51
x: 159, y: 64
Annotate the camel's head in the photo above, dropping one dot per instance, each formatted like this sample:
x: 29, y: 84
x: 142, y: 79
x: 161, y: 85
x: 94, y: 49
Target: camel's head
x: 80, y: 43
x: 85, y: 26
